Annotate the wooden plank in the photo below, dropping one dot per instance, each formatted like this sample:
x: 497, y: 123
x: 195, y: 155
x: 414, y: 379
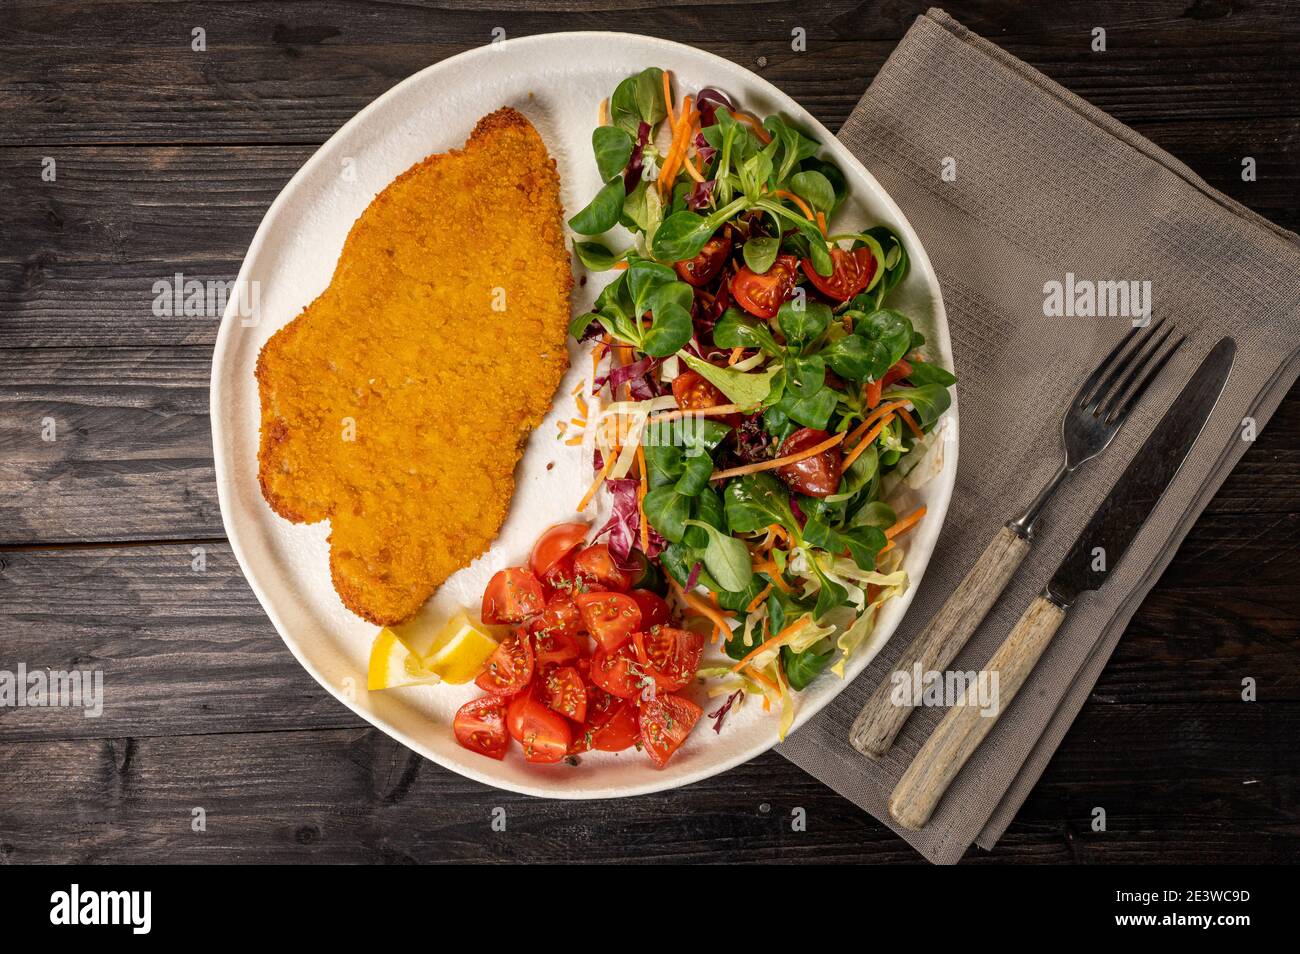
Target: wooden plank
x: 186, y: 652
x: 131, y: 457
x: 274, y: 71
x: 354, y: 795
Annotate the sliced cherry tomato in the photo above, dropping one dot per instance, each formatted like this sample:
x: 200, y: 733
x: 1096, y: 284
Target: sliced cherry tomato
x: 560, y: 578
x: 544, y: 734
x: 616, y: 672
x: 817, y: 476
x: 512, y: 595
x: 666, y: 721
x: 561, y: 616
x: 669, y: 656
x: 654, y: 609
x: 617, y: 729
x: 693, y: 392
x: 872, y: 393
x: 852, y: 273
x: 762, y: 295
x: 564, y: 691
x: 555, y: 544
x: 554, y: 649
x: 703, y: 268
x: 610, y: 617
x: 597, y: 565
x: 510, y: 667
x: 480, y: 726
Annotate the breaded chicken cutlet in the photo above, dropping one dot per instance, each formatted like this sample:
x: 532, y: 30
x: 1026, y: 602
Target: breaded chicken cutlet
x: 397, y: 404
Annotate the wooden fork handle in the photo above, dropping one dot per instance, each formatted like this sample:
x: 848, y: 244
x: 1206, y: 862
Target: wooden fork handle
x: 883, y: 716
x: 962, y: 729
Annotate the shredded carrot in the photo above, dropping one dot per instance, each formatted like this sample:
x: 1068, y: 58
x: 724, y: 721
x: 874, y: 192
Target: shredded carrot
x: 573, y: 441
x: 764, y: 681
x: 597, y: 353
x: 904, y: 524
x: 581, y: 403
x: 577, y: 388
x: 773, y: 571
x: 715, y: 616
x: 863, y: 444
x: 736, y: 354
x: 757, y: 601
x: 677, y: 148
x: 872, y: 418
x: 690, y: 169
x: 787, y: 632
x: 763, y: 135
x: 619, y: 266
x: 578, y: 421
x: 910, y: 422
x: 821, y: 222
x: 604, y: 112
x: 668, y: 99
x: 595, y: 484
x: 803, y: 206
x: 779, y: 461
x: 715, y: 411
x: 640, y: 499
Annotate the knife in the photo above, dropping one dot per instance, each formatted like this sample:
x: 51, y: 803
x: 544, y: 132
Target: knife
x: 1097, y: 551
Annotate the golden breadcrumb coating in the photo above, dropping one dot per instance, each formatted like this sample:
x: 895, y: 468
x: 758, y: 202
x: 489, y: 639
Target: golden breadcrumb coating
x: 397, y: 404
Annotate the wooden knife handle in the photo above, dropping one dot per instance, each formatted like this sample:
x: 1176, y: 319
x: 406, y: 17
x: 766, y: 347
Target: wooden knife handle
x: 965, y: 726
x: 882, y: 717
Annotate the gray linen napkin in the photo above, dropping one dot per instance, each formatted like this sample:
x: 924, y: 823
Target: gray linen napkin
x: 1047, y: 185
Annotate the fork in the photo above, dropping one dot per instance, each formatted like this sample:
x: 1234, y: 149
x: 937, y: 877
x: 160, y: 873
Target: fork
x: 1095, y: 414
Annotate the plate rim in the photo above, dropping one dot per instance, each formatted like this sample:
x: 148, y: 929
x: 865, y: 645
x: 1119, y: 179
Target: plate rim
x: 224, y: 477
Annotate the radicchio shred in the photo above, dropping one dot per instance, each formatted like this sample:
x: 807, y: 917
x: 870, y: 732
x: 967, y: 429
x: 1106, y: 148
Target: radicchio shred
x: 723, y: 710
x: 624, y: 524
x: 635, y: 164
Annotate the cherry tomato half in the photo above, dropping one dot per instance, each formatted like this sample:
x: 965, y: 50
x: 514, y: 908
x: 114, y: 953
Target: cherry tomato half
x: 554, y: 649
x: 654, y: 609
x: 544, y: 734
x: 762, y: 295
x: 510, y: 667
x: 703, y: 268
x: 480, y: 726
x: 616, y: 672
x: 669, y: 656
x: 596, y: 565
x: 610, y: 617
x: 617, y: 729
x: 693, y: 392
x: 852, y: 273
x: 666, y: 721
x: 554, y: 544
x: 512, y: 595
x: 560, y: 578
x: 561, y: 617
x: 817, y: 476
x: 564, y: 691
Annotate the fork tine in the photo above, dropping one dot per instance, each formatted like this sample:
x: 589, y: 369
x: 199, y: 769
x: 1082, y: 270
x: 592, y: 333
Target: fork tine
x: 1081, y: 396
x: 1142, y: 358
x: 1106, y: 387
x: 1117, y: 417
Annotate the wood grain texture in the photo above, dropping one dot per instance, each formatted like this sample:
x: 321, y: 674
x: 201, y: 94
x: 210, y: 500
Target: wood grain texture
x: 937, y: 645
x: 167, y: 159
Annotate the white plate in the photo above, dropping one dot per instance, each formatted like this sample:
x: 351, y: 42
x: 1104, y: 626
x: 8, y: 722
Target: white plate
x: 557, y: 80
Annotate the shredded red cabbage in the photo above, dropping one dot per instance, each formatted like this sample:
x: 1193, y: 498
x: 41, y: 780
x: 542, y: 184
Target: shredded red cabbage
x: 624, y: 524
x: 704, y: 150
x: 701, y: 196
x: 694, y: 575
x: 635, y: 163
x: 723, y: 710
x: 708, y: 101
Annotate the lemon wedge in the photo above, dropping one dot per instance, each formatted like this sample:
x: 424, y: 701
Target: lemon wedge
x: 460, y: 650
x: 393, y: 665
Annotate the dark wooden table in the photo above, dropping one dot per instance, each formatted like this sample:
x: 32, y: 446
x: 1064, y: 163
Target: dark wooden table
x: 165, y: 160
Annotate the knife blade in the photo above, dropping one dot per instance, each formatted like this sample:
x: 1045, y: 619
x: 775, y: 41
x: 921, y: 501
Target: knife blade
x: 1112, y: 528
x: 1139, y: 489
